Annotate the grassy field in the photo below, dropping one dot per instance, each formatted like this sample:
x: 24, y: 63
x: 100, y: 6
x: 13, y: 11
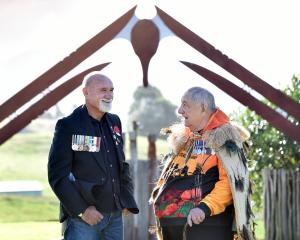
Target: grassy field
x: 30, y: 231
x: 24, y: 157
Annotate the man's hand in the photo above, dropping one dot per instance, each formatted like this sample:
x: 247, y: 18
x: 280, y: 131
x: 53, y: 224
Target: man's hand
x: 195, y: 216
x: 91, y: 216
x: 126, y: 212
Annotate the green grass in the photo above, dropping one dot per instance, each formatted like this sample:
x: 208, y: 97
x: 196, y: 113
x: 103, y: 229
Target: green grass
x: 30, y: 231
x: 24, y: 157
x: 23, y: 209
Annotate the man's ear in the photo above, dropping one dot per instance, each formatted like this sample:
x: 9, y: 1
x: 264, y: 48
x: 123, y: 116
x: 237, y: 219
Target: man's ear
x: 204, y: 107
x: 85, y: 91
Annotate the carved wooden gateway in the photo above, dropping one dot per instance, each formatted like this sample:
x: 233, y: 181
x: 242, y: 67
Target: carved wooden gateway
x: 145, y: 39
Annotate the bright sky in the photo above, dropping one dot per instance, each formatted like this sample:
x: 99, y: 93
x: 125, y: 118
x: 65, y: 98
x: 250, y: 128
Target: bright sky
x: 263, y: 36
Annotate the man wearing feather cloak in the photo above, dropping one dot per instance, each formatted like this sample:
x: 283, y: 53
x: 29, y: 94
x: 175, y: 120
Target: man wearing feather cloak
x: 203, y: 191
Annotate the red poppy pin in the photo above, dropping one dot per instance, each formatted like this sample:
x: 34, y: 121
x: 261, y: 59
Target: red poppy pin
x: 117, y: 130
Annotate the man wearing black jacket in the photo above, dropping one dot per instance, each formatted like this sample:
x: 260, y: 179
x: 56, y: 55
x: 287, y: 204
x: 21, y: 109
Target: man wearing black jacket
x: 87, y: 169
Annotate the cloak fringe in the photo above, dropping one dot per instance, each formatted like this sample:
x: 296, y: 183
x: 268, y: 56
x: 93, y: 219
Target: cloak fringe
x: 239, y: 183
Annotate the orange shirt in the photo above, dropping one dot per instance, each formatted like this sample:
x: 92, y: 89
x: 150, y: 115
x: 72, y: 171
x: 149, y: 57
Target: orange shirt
x: 201, y: 157
x: 220, y: 197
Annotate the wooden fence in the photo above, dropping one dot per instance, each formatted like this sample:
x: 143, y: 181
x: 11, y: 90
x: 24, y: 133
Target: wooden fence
x: 144, y: 173
x: 282, y: 204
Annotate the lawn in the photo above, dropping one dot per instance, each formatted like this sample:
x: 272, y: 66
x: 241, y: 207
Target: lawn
x: 30, y: 231
x: 24, y: 157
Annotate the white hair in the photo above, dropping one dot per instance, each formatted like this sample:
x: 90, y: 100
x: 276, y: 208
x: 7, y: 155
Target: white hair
x: 203, y: 96
x: 92, y: 76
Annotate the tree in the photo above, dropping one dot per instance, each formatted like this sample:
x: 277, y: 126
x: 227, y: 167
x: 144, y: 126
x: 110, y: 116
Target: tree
x: 269, y: 147
x: 151, y: 110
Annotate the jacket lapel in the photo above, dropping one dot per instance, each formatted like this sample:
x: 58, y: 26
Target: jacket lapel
x: 118, y: 141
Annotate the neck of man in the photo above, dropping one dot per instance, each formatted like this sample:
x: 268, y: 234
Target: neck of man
x: 203, y: 123
x: 94, y: 112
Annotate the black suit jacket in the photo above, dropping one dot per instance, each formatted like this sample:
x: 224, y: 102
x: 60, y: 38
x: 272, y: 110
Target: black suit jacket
x: 88, y: 167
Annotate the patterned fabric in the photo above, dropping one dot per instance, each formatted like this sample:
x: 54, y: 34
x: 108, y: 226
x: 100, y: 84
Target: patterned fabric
x: 177, y: 203
x: 232, y: 184
x: 178, y: 200
x: 194, y: 159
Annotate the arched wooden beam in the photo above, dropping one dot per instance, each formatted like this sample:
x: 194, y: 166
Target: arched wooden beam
x: 273, y: 117
x: 274, y: 95
x: 67, y: 64
x: 43, y: 104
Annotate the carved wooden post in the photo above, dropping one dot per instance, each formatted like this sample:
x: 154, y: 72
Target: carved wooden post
x: 124, y: 143
x: 282, y: 204
x: 134, y: 164
x: 152, y: 178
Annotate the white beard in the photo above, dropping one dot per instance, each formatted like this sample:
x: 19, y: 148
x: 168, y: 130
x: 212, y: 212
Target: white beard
x: 105, y: 105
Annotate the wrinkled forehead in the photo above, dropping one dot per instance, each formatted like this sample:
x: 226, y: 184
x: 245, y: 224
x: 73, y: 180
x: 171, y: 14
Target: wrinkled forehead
x: 100, y: 81
x: 187, y: 97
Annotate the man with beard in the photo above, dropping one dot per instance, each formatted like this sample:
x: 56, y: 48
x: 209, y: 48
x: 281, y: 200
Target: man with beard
x: 87, y: 169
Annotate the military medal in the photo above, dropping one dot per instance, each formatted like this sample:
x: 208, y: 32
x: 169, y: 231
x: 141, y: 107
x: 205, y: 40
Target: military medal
x: 116, y: 134
x: 86, y: 143
x: 199, y: 148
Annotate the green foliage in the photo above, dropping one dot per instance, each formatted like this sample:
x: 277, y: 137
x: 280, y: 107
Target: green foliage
x: 270, y: 148
x: 259, y: 230
x: 151, y: 110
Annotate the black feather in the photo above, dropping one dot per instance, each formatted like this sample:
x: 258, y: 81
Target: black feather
x: 230, y: 147
x: 239, y: 183
x: 246, y: 146
x: 242, y: 157
x: 249, y: 212
x: 250, y: 191
x: 246, y: 235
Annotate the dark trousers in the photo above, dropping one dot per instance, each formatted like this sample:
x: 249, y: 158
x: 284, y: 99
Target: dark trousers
x: 197, y: 232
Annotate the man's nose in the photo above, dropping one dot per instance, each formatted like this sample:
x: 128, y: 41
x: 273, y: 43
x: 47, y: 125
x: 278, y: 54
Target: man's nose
x: 109, y: 95
x: 180, y: 110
